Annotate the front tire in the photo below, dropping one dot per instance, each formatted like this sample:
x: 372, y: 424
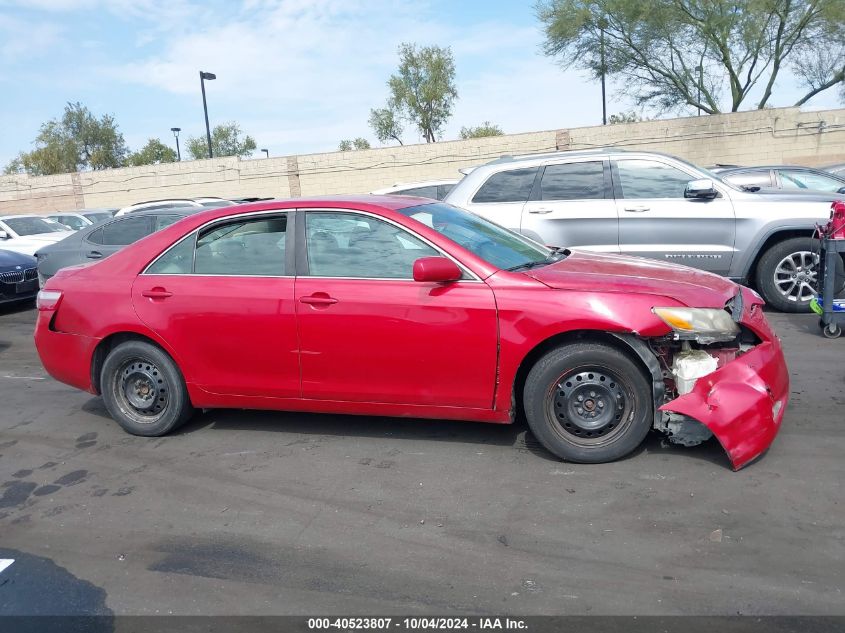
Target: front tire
x: 143, y: 389
x: 787, y: 274
x: 588, y: 403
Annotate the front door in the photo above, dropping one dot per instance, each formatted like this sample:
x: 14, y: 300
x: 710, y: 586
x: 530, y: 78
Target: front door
x: 370, y: 333
x: 657, y: 221
x: 223, y: 300
x: 572, y: 205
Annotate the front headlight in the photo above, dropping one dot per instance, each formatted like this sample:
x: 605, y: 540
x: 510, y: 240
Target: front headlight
x: 701, y: 324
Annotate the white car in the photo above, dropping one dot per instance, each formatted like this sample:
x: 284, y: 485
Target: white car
x: 76, y: 220
x: 434, y: 189
x: 209, y: 202
x: 27, y: 233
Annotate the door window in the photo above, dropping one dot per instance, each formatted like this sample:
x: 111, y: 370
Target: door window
x: 254, y: 247
x: 359, y: 246
x: 798, y: 179
x: 651, y: 179
x: 123, y: 232
x: 573, y: 181
x: 71, y: 221
x: 507, y: 186
x: 243, y: 247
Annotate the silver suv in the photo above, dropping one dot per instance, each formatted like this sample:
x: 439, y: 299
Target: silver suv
x: 657, y: 206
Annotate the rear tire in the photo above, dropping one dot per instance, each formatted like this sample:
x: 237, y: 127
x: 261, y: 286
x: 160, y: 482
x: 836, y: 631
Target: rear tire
x: 787, y: 274
x: 588, y: 403
x: 143, y: 389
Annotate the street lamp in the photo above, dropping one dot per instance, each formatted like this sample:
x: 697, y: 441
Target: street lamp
x: 602, y: 25
x: 266, y: 153
x: 204, y: 76
x: 176, y: 131
x: 700, y: 71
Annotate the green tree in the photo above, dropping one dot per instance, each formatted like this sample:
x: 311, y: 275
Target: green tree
x: 226, y: 140
x: 423, y: 91
x: 358, y: 143
x: 624, y: 117
x: 386, y: 123
x: 480, y: 131
x: 14, y: 166
x: 77, y: 141
x: 676, y: 54
x: 153, y: 153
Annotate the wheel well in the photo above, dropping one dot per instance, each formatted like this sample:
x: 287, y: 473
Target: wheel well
x: 564, y: 338
x: 107, y: 345
x: 773, y: 239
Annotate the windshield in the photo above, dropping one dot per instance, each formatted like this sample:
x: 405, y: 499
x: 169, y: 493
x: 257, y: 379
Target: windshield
x: 492, y: 243
x: 33, y: 226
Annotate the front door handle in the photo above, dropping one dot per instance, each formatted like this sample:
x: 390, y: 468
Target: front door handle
x: 540, y: 211
x: 157, y: 293
x: 318, y: 299
x: 637, y: 209
x: 94, y: 255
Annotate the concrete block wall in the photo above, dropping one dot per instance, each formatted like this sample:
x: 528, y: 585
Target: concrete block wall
x: 783, y: 135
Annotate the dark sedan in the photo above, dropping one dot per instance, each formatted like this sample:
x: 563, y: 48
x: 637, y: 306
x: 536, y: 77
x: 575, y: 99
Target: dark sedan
x: 101, y: 240
x: 18, y: 277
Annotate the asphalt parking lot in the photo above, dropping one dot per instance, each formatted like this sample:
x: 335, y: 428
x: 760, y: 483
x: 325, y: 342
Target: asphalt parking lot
x: 274, y: 513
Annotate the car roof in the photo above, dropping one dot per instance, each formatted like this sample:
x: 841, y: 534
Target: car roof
x: 21, y: 215
x: 575, y: 153
x: 362, y: 201
x: 755, y: 167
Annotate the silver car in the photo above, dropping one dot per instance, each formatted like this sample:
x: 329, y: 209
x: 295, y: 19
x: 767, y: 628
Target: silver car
x: 656, y: 206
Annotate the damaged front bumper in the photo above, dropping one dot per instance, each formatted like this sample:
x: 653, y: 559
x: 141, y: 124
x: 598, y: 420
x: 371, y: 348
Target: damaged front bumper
x: 742, y: 402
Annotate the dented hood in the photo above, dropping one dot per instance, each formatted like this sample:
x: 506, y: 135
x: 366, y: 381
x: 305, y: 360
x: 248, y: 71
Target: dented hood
x: 585, y: 270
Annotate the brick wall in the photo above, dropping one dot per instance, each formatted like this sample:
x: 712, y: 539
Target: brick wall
x: 784, y: 135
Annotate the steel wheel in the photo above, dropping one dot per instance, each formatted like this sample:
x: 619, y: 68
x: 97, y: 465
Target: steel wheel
x: 140, y: 390
x: 591, y: 406
x: 796, y: 275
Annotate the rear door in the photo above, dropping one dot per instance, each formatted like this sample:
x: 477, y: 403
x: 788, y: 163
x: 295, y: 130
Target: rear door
x: 502, y: 197
x: 657, y: 221
x: 572, y: 205
x: 222, y: 299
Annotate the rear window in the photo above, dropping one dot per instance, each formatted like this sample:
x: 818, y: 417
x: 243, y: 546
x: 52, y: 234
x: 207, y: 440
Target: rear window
x: 507, y: 186
x: 125, y: 231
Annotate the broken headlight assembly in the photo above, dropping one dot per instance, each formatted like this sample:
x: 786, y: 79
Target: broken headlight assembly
x: 705, y: 325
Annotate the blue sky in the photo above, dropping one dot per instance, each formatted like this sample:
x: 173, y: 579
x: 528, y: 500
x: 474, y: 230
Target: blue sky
x: 298, y: 75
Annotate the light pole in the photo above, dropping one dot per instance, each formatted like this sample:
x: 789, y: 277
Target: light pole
x: 700, y: 71
x: 603, y: 71
x: 266, y: 153
x: 204, y: 76
x: 176, y: 131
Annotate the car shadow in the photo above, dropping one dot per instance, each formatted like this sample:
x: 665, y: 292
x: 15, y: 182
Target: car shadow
x: 517, y: 435
x: 15, y: 307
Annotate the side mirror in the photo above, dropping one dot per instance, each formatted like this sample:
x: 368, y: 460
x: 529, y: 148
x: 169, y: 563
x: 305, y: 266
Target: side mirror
x: 841, y: 190
x: 436, y: 269
x: 701, y: 188
x: 4, y: 235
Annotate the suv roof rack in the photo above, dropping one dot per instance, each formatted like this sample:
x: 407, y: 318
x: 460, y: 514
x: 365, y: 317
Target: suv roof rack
x: 508, y: 158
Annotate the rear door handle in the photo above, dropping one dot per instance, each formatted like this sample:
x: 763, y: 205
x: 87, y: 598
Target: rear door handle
x: 321, y: 299
x: 540, y: 211
x: 637, y: 209
x: 94, y: 255
x: 157, y: 293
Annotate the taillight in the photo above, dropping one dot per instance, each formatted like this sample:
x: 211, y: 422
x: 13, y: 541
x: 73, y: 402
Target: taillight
x: 48, y: 300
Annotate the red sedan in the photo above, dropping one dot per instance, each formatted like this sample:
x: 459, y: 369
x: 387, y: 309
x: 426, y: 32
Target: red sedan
x: 398, y: 306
